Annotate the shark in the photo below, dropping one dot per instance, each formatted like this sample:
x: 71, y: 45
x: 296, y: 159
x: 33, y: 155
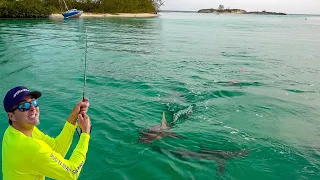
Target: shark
x: 219, y: 156
x: 158, y: 131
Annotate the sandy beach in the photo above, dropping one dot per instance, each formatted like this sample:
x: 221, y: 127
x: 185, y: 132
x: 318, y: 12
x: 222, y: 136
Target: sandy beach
x: 94, y: 15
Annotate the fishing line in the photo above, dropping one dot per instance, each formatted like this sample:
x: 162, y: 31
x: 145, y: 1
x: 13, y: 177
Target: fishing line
x: 84, y: 76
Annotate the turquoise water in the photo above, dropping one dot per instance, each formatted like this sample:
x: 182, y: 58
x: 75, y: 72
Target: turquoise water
x: 252, y: 82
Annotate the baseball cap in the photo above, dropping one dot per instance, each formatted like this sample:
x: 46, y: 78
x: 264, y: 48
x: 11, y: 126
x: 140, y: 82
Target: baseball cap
x: 15, y: 95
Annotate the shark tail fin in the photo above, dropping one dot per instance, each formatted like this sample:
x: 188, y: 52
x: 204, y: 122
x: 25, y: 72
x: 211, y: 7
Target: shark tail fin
x: 164, y: 121
x: 221, y: 164
x: 205, y: 150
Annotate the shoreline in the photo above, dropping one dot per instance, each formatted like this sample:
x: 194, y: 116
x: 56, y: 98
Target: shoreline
x: 97, y: 15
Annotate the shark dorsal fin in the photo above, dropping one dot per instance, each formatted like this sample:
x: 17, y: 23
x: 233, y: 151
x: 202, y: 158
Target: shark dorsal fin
x: 163, y: 122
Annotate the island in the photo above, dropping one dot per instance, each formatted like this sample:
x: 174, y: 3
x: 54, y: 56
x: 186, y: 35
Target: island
x: 222, y: 10
x: 266, y: 13
x: 95, y: 8
x: 226, y: 11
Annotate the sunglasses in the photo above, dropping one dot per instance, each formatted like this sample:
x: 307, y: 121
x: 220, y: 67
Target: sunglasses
x: 26, y: 105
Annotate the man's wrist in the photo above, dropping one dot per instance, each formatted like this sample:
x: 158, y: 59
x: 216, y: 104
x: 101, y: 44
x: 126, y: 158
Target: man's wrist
x: 73, y: 118
x: 88, y: 131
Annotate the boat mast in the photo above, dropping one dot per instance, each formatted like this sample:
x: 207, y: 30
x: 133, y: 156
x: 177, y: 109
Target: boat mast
x: 65, y: 5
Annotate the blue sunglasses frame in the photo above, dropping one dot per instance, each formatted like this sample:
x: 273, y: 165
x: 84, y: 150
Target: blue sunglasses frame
x: 26, y: 105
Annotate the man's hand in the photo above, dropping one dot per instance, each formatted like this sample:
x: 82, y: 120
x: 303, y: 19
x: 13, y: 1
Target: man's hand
x: 84, y: 105
x: 84, y: 123
x: 80, y: 108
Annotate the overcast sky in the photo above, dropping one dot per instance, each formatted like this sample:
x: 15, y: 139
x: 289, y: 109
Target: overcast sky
x: 285, y: 6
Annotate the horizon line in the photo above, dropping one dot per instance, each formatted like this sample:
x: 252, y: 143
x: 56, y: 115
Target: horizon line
x: 249, y: 11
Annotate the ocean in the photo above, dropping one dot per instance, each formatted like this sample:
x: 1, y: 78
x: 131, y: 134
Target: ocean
x: 231, y: 82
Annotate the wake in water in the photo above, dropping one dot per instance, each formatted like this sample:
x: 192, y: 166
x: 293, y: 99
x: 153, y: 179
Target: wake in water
x: 182, y: 114
x: 163, y: 129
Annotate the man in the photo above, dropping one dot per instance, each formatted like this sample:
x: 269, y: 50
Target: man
x: 28, y: 153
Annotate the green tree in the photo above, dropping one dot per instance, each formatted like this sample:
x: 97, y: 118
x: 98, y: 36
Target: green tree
x: 43, y: 8
x: 157, y: 4
x: 221, y: 7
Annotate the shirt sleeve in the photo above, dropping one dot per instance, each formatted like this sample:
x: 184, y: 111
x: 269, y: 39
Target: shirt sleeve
x: 62, y: 142
x: 49, y: 163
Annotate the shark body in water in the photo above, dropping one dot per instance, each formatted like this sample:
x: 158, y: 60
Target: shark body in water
x: 157, y: 132
x: 161, y: 130
x: 207, y: 154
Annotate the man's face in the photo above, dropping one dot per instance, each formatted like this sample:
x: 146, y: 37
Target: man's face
x: 27, y: 118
